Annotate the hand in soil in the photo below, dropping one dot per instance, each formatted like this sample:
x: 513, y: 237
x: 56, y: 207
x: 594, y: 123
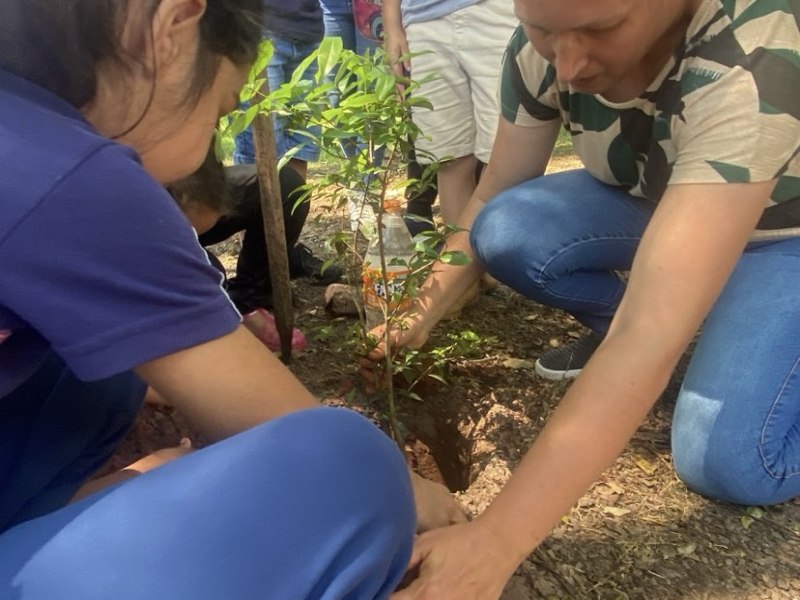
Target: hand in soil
x: 460, y: 562
x: 412, y: 333
x: 436, y: 506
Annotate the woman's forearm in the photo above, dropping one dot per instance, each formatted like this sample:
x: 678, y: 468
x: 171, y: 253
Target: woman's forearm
x: 681, y: 266
x: 227, y: 385
x: 392, y: 19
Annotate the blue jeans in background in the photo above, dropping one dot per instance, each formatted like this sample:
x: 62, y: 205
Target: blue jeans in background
x: 314, y: 504
x: 339, y: 22
x: 338, y: 18
x: 287, y: 56
x: 559, y: 238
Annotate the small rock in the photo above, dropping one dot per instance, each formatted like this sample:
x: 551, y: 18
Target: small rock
x: 518, y: 363
x: 340, y: 300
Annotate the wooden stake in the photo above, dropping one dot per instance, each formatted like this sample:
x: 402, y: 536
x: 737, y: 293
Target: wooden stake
x: 275, y: 230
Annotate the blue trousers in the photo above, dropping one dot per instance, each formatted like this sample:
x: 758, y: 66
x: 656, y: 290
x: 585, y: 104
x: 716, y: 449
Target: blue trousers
x: 736, y: 430
x: 315, y: 504
x: 286, y: 57
x: 339, y: 22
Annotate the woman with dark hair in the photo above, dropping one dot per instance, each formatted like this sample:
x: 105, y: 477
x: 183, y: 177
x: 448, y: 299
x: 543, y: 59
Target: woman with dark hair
x: 104, y: 290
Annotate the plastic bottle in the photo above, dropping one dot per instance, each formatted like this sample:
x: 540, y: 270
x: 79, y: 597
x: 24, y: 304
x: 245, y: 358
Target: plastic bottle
x: 362, y: 217
x: 398, y: 249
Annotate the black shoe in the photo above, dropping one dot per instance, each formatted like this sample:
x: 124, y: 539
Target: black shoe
x: 567, y: 361
x: 303, y: 263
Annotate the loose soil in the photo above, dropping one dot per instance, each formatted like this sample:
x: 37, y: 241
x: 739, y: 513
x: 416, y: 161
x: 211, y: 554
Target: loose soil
x: 638, y: 533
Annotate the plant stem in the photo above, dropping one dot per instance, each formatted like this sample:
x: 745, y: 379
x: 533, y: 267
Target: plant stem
x: 394, y: 424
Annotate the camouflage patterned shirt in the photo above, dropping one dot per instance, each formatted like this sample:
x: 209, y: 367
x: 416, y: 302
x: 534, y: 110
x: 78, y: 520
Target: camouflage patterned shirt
x: 726, y: 108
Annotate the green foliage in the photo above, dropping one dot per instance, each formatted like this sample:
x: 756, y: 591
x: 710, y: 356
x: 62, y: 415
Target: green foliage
x: 351, y: 96
x: 751, y: 515
x: 355, y: 108
x: 414, y: 366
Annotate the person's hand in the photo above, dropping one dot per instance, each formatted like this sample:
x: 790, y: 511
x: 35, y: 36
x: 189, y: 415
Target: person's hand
x: 436, y: 506
x: 462, y: 562
x: 148, y: 463
x: 395, y: 47
x: 161, y: 457
x: 412, y: 332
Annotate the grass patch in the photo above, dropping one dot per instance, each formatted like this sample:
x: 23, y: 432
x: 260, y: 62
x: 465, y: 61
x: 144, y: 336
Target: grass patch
x: 563, y: 145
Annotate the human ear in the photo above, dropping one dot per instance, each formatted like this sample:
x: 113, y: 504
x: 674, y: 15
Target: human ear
x: 176, y: 28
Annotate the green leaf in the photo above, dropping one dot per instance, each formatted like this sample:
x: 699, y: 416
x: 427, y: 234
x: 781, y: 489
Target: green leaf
x: 328, y: 54
x: 384, y: 86
x: 249, y: 116
x: 755, y: 512
x: 238, y: 123
x: 219, y: 147
x: 300, y: 71
x: 454, y: 258
x: 358, y: 100
x: 420, y: 102
x: 287, y: 156
x: 414, y: 396
x: 265, y: 52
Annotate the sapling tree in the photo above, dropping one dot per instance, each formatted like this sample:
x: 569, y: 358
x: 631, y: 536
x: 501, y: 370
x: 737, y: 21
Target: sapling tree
x: 362, y: 112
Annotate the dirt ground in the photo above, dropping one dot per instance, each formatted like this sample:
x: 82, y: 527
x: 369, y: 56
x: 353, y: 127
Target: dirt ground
x: 637, y: 534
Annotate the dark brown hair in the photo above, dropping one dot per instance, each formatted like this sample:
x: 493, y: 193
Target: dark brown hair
x: 58, y: 44
x: 205, y: 187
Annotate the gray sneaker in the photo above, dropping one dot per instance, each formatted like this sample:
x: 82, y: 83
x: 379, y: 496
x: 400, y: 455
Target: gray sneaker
x: 567, y: 361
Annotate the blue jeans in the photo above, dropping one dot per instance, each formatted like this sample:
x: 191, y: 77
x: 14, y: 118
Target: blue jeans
x: 736, y: 430
x: 338, y: 18
x: 287, y: 56
x: 315, y: 504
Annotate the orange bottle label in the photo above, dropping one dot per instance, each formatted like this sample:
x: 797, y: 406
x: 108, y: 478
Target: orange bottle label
x: 375, y: 287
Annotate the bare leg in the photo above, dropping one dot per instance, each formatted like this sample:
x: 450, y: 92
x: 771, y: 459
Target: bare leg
x: 456, y: 185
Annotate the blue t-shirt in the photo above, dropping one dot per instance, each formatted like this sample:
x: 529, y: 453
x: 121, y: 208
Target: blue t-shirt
x: 97, y: 263
x: 419, y: 11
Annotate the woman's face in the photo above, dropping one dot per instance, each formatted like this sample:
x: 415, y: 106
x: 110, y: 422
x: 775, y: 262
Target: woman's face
x: 180, y: 136
x: 599, y: 46
x: 170, y: 134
